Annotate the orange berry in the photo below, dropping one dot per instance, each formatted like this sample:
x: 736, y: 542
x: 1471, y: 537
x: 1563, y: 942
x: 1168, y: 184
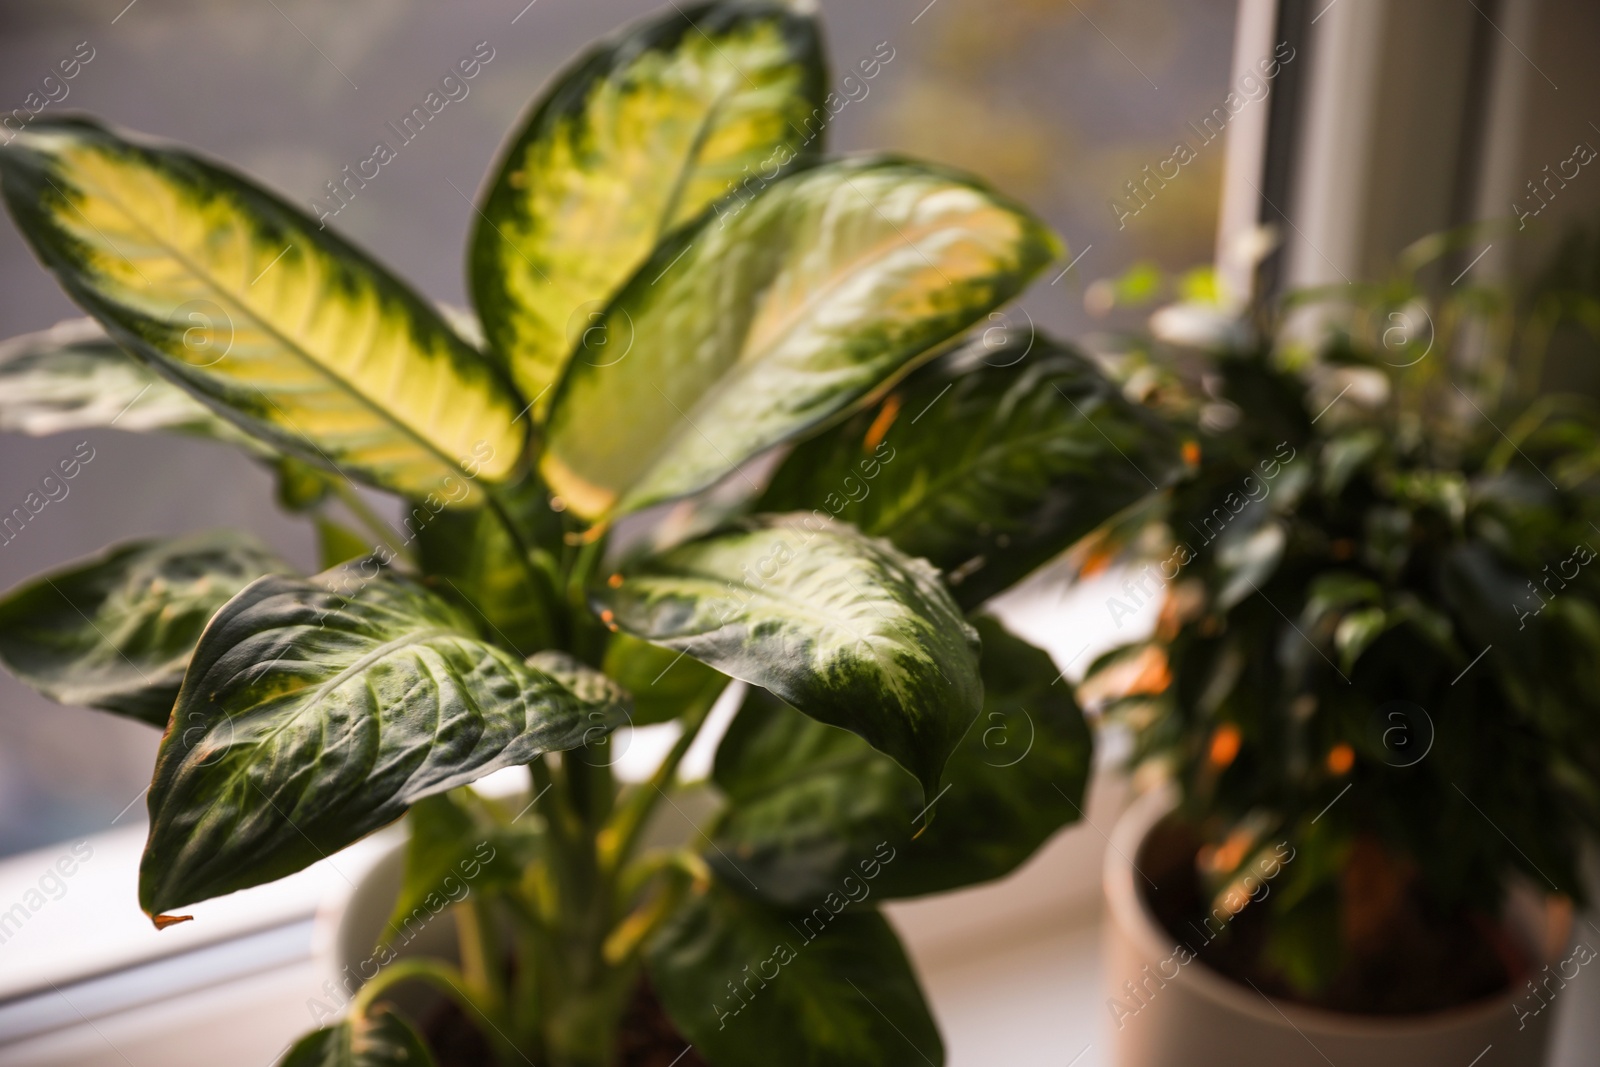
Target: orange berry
x: 1225, y: 744
x: 1341, y: 758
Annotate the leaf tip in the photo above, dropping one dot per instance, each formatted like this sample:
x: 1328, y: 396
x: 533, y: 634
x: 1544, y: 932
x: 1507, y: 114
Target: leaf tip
x: 163, y: 921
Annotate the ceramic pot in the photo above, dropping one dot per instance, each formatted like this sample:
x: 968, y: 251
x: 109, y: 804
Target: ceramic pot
x: 1185, y: 1012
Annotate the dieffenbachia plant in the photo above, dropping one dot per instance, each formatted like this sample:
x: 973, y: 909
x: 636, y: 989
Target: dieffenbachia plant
x: 671, y: 281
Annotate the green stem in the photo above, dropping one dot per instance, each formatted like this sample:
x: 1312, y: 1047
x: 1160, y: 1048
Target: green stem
x: 480, y: 955
x: 420, y: 968
x: 543, y: 580
x: 621, y: 836
x: 589, y: 554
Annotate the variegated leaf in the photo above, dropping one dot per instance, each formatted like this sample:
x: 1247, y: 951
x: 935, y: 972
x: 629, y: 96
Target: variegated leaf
x: 986, y: 462
x: 74, y: 377
x: 632, y: 140
x: 116, y: 632
x: 380, y: 1040
x: 811, y: 806
x: 843, y: 627
x: 282, y: 327
x: 782, y: 312
x: 317, y: 710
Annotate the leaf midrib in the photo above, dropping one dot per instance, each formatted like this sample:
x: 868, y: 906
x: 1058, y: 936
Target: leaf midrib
x: 691, y: 159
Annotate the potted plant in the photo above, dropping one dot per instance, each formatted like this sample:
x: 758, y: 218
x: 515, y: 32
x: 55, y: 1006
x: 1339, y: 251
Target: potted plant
x: 670, y: 281
x: 1369, y: 684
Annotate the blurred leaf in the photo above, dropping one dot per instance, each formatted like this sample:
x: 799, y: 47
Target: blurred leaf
x: 813, y: 808
x: 338, y: 544
x: 747, y: 983
x: 380, y: 1040
x: 116, y: 632
x: 451, y: 852
x: 73, y: 377
x: 1356, y: 631
x: 469, y: 551
x: 665, y: 683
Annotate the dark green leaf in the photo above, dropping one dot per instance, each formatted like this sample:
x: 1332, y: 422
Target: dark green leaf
x: 382, y: 1040
x: 832, y: 987
x: 810, y: 806
x: 986, y: 463
x: 317, y: 710
x: 628, y: 143
x: 843, y: 627
x: 116, y: 632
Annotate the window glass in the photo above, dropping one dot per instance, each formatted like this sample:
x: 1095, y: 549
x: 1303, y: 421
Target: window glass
x: 1057, y: 102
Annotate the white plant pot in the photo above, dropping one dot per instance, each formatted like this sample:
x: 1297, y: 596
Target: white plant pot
x: 1199, y: 1018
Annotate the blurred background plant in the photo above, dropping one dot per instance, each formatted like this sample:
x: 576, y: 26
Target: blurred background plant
x: 1378, y: 637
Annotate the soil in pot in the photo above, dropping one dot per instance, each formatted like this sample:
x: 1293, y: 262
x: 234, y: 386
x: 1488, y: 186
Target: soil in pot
x: 1403, y: 952
x: 647, y: 1037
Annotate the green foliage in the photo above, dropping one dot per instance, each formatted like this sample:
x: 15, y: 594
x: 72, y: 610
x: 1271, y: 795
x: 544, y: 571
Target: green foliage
x: 117, y: 632
x: 637, y: 138
x: 843, y: 627
x: 1381, y: 622
x: 808, y: 803
x: 374, y: 382
x: 1027, y: 475
x: 362, y: 696
x: 830, y: 284
x: 668, y: 196
x: 747, y: 983
x: 382, y: 1039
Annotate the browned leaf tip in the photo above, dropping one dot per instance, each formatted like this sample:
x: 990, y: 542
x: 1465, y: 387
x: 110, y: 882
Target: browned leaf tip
x: 164, y: 921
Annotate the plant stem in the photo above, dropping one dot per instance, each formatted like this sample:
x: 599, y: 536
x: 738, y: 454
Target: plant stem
x: 621, y: 835
x: 480, y: 955
x: 450, y: 981
x: 416, y: 968
x: 541, y: 577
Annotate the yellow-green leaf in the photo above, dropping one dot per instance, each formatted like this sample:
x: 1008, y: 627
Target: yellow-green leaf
x: 761, y: 324
x: 634, y: 139
x: 284, y: 328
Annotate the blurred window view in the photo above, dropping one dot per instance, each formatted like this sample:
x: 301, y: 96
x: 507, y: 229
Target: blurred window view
x: 1068, y: 105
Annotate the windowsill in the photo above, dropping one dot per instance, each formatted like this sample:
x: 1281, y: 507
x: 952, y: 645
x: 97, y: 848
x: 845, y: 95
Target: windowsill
x: 1012, y: 968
